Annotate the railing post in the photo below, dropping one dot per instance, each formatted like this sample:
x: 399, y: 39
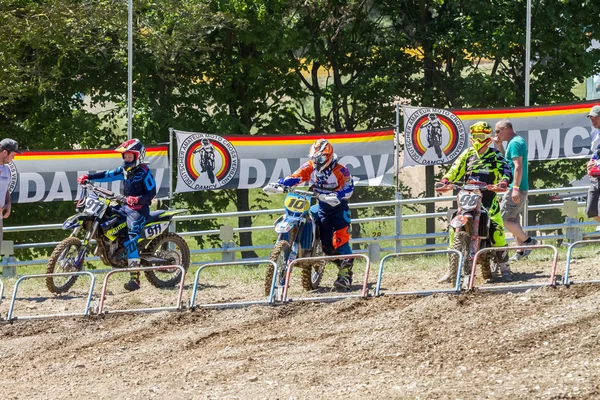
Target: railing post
x: 7, y: 251
x: 572, y: 233
x: 525, y: 213
x: 226, y: 236
x: 398, y: 211
x: 375, y: 252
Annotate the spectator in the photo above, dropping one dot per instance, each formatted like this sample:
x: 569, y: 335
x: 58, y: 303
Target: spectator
x: 8, y: 149
x: 591, y: 207
x: 514, y: 200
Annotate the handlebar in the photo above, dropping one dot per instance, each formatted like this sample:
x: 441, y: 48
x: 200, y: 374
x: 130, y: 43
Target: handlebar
x: 441, y: 187
x: 276, y: 188
x: 102, y: 192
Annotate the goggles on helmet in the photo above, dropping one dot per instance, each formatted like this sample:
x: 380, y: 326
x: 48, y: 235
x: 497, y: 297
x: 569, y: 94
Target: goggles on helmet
x: 319, y: 159
x: 480, y: 136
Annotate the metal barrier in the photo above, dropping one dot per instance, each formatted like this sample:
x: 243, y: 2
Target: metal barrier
x: 86, y: 311
x: 396, y: 239
x: 567, y: 267
x: 143, y: 269
x: 539, y: 246
x: 337, y: 257
x: 428, y: 253
x: 232, y: 304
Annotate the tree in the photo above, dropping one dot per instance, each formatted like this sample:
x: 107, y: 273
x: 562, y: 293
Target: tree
x: 53, y: 51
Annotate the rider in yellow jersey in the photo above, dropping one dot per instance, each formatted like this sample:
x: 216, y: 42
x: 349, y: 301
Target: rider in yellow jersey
x: 487, y: 165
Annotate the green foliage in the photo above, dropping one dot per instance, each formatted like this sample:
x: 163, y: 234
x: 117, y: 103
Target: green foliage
x: 273, y: 66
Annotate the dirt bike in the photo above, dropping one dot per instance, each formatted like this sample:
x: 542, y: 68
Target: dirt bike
x: 434, y: 139
x: 207, y: 163
x: 297, y: 237
x: 99, y: 218
x: 471, y: 225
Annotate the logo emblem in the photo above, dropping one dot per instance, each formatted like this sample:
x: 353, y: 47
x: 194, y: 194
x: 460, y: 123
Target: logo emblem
x: 434, y: 136
x: 14, y: 175
x: 207, y: 162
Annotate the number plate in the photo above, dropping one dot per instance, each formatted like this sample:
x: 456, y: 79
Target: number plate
x: 94, y: 206
x: 468, y: 200
x: 296, y: 203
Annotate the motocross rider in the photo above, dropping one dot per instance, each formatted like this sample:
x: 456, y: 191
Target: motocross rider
x: 434, y: 127
x: 207, y: 150
x: 489, y: 166
x: 139, y: 188
x: 326, y: 176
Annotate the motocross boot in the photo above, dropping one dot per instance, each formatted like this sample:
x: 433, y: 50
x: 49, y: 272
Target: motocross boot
x: 134, y: 277
x: 344, y: 278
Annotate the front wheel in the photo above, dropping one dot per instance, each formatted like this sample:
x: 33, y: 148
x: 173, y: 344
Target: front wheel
x: 279, y: 255
x: 211, y: 175
x: 172, y: 247
x: 438, y: 150
x: 64, y: 259
x: 462, y: 243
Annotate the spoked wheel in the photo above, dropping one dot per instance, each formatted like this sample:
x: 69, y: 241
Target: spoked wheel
x: 438, y: 150
x: 462, y: 243
x: 279, y: 256
x: 63, y: 259
x: 489, y: 266
x: 313, y: 274
x: 171, y: 247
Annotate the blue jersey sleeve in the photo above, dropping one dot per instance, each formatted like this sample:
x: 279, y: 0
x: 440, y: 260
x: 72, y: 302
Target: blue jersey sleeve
x: 108, y: 176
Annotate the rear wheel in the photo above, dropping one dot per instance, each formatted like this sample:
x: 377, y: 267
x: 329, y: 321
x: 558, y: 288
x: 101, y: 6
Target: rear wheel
x: 313, y: 274
x: 172, y: 247
x: 63, y: 259
x: 489, y: 267
x: 279, y: 255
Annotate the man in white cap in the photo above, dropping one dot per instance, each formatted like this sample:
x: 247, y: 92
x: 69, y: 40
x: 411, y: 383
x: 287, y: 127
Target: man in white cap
x: 8, y: 149
x: 591, y: 207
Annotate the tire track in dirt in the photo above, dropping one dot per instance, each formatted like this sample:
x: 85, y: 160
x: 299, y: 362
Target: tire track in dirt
x: 478, y: 345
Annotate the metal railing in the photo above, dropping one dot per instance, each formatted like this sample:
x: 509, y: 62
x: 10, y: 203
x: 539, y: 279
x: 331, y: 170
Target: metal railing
x: 395, y: 241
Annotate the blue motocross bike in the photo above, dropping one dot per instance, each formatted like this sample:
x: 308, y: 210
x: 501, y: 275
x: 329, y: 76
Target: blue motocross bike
x: 297, y: 237
x: 100, y: 219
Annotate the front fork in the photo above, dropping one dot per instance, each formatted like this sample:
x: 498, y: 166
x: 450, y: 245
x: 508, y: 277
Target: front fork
x: 295, y: 248
x: 475, y: 242
x: 85, y: 243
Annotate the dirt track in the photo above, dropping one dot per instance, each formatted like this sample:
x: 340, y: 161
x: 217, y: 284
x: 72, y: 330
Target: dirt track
x: 539, y: 344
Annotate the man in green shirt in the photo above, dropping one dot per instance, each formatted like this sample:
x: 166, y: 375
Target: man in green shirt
x: 514, y: 200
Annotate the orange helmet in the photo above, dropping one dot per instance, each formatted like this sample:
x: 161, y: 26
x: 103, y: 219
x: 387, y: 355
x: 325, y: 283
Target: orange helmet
x: 481, y: 135
x: 321, y: 154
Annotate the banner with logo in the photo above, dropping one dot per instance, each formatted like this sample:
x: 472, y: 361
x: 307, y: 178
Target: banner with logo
x: 437, y: 136
x: 41, y: 176
x: 208, y: 162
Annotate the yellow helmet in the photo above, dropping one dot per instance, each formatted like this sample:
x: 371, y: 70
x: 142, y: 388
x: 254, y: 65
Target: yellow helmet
x: 481, y: 135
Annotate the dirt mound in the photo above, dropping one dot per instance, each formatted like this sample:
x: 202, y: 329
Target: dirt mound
x: 537, y: 344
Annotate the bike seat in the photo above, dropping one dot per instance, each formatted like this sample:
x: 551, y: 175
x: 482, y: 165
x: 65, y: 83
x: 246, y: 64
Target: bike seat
x: 155, y: 215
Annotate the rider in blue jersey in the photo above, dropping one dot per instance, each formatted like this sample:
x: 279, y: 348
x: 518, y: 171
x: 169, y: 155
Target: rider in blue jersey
x: 139, y: 188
